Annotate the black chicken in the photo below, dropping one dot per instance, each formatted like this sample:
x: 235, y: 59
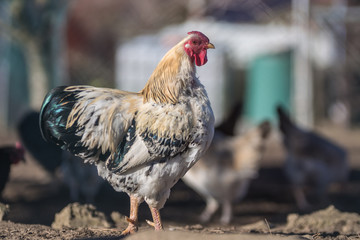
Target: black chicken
x: 82, y: 179
x: 46, y: 153
x: 311, y: 159
x: 9, y: 155
x: 227, y: 126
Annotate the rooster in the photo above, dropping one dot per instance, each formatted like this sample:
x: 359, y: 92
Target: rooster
x: 142, y: 143
x: 311, y: 159
x: 224, y: 173
x: 9, y: 155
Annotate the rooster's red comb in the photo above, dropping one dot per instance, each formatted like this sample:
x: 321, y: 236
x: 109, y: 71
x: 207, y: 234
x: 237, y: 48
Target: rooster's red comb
x: 200, y: 34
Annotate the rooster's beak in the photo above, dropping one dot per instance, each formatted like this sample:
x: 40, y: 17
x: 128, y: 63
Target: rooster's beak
x: 210, y: 45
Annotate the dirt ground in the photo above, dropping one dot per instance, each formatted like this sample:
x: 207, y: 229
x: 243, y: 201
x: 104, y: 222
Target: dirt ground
x: 35, y: 196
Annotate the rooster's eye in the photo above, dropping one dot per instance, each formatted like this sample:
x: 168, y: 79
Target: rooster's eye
x: 194, y: 42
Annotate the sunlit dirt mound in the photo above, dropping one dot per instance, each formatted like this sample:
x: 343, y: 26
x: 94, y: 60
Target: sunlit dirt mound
x: 328, y: 220
x: 78, y: 221
x: 76, y: 215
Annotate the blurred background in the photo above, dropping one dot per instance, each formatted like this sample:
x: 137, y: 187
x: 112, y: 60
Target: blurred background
x: 301, y: 54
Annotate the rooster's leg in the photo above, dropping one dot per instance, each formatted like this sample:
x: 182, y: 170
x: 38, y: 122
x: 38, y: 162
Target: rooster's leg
x: 156, y: 219
x: 133, y: 218
x: 300, y: 198
x: 211, y: 206
x: 226, y: 212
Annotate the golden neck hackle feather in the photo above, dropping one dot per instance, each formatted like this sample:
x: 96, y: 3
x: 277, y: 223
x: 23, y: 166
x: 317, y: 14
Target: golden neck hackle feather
x: 167, y: 80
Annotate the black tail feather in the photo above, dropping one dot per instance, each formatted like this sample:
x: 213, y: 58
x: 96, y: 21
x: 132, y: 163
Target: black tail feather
x: 285, y: 124
x: 227, y: 127
x: 55, y: 110
x: 265, y: 128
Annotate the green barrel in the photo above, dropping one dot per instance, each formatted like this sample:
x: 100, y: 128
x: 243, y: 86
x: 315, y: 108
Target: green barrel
x: 268, y: 84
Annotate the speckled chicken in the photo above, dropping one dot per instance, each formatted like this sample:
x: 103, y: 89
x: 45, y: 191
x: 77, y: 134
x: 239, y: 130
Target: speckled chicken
x: 9, y: 155
x: 222, y: 176
x: 312, y: 160
x: 142, y: 143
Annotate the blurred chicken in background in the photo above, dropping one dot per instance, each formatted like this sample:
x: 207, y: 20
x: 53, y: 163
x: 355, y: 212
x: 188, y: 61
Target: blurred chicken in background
x: 9, y: 155
x: 227, y: 126
x: 82, y: 179
x: 312, y: 160
x: 48, y: 155
x: 222, y: 176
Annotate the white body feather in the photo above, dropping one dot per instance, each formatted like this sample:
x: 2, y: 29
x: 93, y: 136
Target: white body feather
x: 154, y: 180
